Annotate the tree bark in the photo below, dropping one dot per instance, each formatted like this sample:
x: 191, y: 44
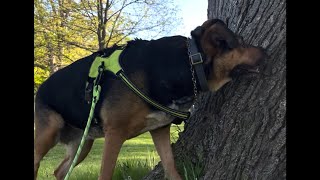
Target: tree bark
x: 239, y: 132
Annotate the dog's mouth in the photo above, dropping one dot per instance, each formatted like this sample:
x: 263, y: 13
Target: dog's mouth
x: 244, y: 69
x: 254, y: 70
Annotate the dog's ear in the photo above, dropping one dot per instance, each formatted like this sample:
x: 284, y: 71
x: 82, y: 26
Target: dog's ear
x: 197, y: 32
x: 215, y: 45
x: 211, y: 22
x: 222, y: 42
x: 216, y: 38
x: 214, y: 21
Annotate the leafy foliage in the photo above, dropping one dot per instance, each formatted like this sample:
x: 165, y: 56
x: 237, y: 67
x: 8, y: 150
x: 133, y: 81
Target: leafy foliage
x: 66, y: 30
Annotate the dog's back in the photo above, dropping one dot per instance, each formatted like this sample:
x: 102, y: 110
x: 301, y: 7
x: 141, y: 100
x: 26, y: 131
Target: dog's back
x: 158, y: 61
x: 64, y: 90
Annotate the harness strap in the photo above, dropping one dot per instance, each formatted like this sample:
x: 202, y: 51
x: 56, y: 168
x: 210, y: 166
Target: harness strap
x: 173, y: 112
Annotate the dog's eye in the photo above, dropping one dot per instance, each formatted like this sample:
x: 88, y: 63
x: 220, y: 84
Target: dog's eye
x: 224, y: 45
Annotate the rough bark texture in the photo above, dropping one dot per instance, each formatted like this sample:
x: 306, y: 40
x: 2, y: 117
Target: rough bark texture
x: 240, y: 131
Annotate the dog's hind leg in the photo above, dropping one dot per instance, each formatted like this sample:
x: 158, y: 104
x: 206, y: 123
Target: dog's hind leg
x: 47, y: 127
x: 72, y: 148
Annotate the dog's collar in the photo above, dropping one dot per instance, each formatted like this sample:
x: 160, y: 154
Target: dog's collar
x: 196, y: 62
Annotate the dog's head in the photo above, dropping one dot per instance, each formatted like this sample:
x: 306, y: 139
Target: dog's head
x: 226, y: 54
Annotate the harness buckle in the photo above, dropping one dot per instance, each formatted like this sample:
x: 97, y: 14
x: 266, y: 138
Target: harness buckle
x: 88, y: 92
x: 196, y: 59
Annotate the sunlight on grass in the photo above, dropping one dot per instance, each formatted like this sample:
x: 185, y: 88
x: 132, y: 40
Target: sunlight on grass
x: 137, y: 157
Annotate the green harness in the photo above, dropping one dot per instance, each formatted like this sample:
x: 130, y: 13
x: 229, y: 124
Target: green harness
x: 112, y: 64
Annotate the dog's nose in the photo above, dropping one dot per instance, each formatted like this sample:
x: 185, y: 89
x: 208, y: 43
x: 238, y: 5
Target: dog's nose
x: 261, y: 55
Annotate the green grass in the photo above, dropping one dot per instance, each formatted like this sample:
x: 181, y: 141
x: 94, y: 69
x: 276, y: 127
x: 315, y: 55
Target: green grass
x: 137, y: 157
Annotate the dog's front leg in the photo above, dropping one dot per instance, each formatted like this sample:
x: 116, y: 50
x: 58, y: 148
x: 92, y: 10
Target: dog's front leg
x: 161, y: 139
x: 112, y: 145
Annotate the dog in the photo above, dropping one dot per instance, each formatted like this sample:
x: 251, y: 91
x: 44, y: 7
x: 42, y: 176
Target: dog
x: 161, y: 69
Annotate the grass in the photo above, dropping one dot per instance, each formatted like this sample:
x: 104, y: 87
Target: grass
x: 137, y: 157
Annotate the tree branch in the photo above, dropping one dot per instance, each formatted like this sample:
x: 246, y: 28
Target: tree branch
x: 79, y: 46
x: 113, y: 26
x: 40, y: 66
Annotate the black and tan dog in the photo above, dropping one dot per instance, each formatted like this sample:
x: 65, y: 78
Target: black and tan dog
x: 160, y: 68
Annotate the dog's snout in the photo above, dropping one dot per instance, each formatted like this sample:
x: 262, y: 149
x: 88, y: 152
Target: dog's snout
x: 262, y: 55
x: 257, y: 55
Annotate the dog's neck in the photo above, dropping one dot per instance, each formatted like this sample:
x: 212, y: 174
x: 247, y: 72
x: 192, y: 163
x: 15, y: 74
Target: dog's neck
x: 169, y: 68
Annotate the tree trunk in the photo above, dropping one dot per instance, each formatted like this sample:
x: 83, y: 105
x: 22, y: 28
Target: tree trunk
x: 51, y: 59
x: 239, y: 132
x: 101, y: 31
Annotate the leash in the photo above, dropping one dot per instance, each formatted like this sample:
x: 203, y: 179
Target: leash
x: 96, y: 96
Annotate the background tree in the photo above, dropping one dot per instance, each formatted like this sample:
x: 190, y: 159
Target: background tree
x: 66, y: 30
x: 239, y: 132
